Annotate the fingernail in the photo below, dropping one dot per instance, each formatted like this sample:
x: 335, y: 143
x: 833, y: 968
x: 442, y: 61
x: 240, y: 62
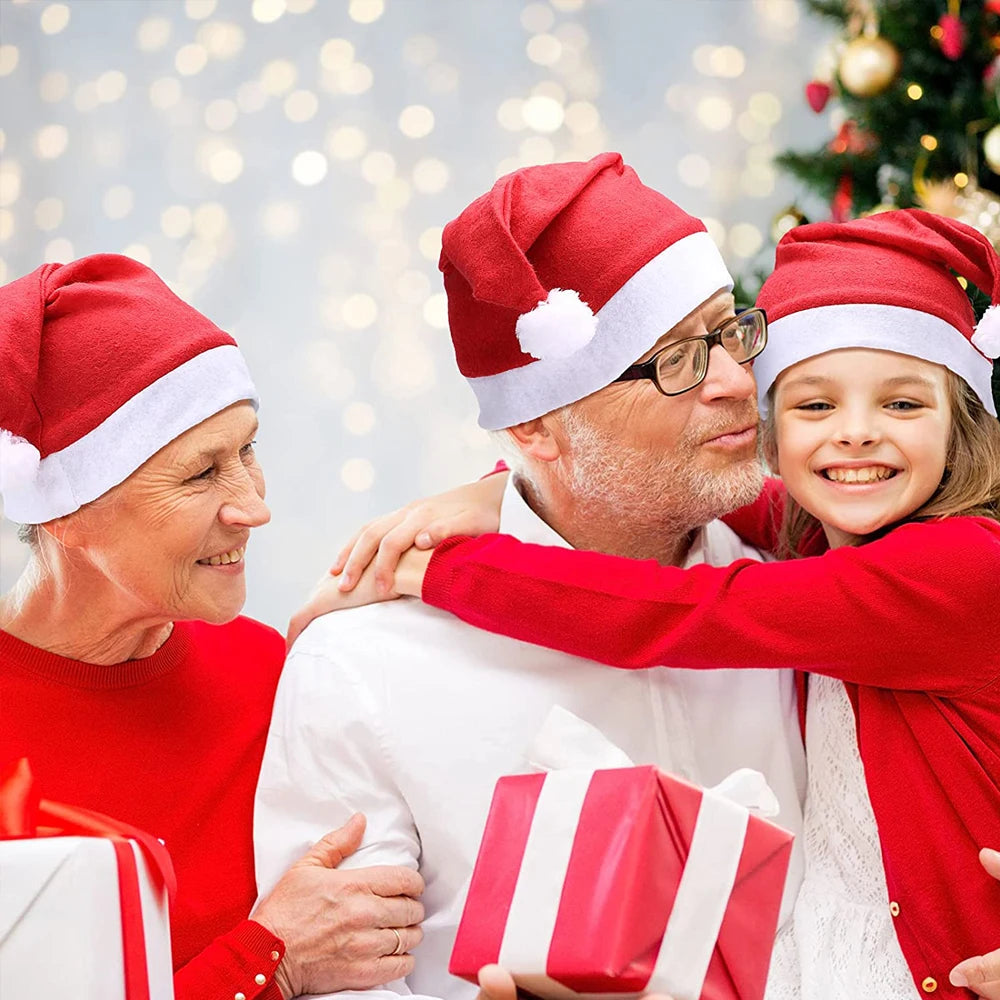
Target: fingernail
x: 345, y: 582
x: 423, y: 539
x: 990, y: 854
x: 957, y: 978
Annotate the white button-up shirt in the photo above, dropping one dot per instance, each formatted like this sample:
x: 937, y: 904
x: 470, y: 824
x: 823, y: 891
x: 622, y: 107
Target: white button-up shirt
x: 407, y: 714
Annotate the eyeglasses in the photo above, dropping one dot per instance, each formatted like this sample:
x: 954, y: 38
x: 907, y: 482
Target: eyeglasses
x: 682, y: 365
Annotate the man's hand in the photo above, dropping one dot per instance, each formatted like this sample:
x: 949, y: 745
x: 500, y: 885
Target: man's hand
x: 496, y: 983
x: 343, y: 930
x: 981, y: 974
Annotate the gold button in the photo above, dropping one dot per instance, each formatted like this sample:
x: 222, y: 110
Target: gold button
x: 929, y: 985
x: 275, y: 955
x: 240, y: 996
x: 894, y: 908
x: 260, y: 979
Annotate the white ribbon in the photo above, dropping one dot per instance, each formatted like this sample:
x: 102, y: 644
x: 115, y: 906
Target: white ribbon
x: 702, y: 897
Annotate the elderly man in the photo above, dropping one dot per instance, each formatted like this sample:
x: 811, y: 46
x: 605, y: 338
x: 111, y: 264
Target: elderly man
x: 559, y: 280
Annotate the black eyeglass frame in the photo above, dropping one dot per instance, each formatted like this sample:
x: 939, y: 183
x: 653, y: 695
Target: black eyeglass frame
x: 647, y: 369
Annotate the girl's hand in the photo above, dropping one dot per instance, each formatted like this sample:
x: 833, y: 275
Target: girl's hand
x: 981, y: 974
x: 328, y: 595
x: 472, y: 509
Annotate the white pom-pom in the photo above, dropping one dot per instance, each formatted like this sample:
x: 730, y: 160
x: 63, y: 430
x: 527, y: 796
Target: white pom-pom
x: 557, y: 327
x: 987, y: 335
x: 18, y: 461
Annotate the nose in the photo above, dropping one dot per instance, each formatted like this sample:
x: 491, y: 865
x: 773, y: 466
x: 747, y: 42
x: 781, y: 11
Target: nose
x: 855, y: 429
x: 726, y: 378
x: 244, y: 506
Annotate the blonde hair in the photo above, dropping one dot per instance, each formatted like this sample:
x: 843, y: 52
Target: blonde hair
x: 970, y: 486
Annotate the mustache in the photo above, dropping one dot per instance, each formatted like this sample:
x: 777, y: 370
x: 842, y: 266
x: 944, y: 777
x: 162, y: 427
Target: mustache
x: 733, y: 419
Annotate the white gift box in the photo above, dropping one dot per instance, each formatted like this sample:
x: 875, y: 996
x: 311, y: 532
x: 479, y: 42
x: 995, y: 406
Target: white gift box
x: 61, y: 921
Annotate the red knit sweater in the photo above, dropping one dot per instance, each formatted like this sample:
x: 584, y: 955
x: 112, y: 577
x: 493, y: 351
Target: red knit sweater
x: 171, y: 744
x: 908, y: 622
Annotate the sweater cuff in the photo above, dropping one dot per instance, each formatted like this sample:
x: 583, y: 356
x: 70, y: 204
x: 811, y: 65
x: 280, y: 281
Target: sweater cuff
x: 259, y: 952
x: 437, y: 578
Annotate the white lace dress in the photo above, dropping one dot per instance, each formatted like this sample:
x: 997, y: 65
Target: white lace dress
x: 840, y: 943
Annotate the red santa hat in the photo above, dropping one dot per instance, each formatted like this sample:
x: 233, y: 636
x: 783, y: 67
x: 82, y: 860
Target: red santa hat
x: 887, y: 282
x: 101, y: 365
x: 561, y: 277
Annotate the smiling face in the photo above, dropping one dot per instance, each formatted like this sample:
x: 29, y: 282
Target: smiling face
x: 171, y: 538
x: 862, y: 437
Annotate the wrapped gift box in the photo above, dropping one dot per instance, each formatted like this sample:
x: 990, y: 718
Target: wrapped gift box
x: 623, y: 881
x: 80, y: 916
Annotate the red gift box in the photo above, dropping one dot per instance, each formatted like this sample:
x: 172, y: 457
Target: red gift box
x: 623, y: 881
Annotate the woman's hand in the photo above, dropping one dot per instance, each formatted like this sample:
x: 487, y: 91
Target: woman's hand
x: 981, y: 974
x: 343, y: 930
x: 472, y: 509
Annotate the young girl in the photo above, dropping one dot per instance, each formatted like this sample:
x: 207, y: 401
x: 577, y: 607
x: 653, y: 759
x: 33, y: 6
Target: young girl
x: 875, y: 389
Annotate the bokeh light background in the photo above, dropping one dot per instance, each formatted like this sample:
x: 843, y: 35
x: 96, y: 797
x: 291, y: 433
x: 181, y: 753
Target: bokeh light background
x: 287, y: 166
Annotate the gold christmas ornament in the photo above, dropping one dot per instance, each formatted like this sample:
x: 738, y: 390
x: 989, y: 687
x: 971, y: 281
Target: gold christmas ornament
x: 991, y: 148
x: 981, y: 210
x: 868, y: 65
x: 788, y: 218
x: 939, y: 197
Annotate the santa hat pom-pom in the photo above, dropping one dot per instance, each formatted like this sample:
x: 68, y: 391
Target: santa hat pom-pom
x: 557, y: 327
x: 987, y: 336
x: 18, y: 461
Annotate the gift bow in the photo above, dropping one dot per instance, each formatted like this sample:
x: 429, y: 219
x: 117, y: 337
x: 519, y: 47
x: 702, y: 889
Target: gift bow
x: 24, y: 814
x: 568, y: 747
x: 567, y: 741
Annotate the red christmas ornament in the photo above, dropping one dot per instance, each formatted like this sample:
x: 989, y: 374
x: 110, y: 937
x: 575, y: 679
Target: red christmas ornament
x: 952, y: 36
x: 853, y: 140
x: 818, y: 93
x: 843, y: 200
x: 991, y: 75
x: 992, y: 6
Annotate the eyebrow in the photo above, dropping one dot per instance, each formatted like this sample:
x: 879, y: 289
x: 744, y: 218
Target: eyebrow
x: 210, y: 454
x: 725, y: 314
x: 889, y: 383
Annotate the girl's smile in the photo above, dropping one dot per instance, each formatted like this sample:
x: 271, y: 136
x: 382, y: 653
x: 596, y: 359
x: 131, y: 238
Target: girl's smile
x: 862, y: 437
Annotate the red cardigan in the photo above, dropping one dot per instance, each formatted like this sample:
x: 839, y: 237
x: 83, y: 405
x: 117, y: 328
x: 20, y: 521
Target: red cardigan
x: 907, y: 622
x: 171, y: 744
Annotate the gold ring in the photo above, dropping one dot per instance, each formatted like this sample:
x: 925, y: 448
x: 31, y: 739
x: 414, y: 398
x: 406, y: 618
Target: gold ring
x: 398, y: 950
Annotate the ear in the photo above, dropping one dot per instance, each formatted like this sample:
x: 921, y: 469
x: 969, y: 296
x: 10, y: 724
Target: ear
x: 535, y: 438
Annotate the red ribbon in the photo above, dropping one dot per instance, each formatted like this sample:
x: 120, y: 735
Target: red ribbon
x: 24, y: 815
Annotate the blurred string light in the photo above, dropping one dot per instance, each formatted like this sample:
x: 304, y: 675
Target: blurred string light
x: 54, y: 18
x: 9, y: 58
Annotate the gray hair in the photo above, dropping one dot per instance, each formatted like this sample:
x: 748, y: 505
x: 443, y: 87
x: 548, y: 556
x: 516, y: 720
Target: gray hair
x: 28, y: 533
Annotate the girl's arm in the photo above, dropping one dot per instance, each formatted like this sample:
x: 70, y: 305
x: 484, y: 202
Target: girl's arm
x: 915, y: 610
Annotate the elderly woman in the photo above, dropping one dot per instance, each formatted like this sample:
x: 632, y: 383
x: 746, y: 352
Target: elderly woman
x: 127, y: 425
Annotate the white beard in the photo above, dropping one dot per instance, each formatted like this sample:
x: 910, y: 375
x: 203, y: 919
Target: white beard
x: 644, y: 489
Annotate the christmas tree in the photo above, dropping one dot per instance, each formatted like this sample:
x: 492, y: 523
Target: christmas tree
x: 917, y: 122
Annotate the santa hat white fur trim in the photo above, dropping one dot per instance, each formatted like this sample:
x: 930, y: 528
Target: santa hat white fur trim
x: 987, y: 335
x: 18, y: 461
x: 657, y: 297
x: 811, y: 332
x: 559, y: 326
x: 65, y: 480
